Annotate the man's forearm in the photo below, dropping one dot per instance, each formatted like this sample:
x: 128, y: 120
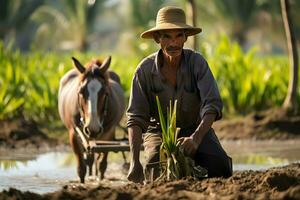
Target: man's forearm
x: 203, y: 127
x: 135, y: 141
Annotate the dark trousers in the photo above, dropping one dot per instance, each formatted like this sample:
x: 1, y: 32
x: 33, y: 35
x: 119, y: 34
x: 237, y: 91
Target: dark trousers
x: 210, y: 154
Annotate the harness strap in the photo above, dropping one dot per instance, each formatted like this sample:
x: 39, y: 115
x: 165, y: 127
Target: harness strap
x: 83, y: 138
x: 104, y: 113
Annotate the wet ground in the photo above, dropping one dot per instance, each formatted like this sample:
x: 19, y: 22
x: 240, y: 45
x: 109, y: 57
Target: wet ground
x: 48, y: 172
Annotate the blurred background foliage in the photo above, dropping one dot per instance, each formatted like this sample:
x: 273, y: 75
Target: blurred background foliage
x: 243, y: 41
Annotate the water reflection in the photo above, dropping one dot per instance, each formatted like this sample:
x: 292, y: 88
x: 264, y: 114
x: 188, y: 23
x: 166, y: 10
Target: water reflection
x: 257, y: 159
x: 50, y: 171
x: 68, y: 160
x: 44, y: 174
x: 260, y: 155
x: 10, y: 164
x: 60, y: 160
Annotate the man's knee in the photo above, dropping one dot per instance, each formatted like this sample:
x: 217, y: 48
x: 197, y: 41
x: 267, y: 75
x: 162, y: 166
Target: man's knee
x: 217, y: 166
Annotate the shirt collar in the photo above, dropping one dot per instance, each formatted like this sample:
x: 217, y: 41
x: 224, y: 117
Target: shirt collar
x: 157, y: 59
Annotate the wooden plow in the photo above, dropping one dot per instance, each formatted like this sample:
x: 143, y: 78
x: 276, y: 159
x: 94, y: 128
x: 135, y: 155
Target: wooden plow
x: 92, y: 148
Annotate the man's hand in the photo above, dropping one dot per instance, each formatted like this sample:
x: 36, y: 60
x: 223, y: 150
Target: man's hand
x: 189, y: 145
x: 135, y: 173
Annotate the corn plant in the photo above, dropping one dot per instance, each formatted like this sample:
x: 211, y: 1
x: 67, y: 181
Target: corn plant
x: 176, y: 164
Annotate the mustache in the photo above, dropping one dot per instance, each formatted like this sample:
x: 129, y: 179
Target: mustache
x: 173, y: 48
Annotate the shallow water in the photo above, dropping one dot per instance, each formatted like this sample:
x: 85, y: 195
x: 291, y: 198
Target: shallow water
x: 260, y: 155
x: 50, y: 171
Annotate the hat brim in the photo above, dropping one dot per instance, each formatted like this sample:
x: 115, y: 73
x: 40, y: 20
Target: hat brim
x: 190, y: 30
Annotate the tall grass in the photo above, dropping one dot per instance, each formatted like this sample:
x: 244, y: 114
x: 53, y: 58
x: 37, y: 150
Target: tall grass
x: 247, y: 82
x: 12, y: 90
x: 29, y: 82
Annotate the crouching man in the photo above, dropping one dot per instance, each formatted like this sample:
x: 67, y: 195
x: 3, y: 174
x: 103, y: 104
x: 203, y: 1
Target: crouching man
x: 175, y: 73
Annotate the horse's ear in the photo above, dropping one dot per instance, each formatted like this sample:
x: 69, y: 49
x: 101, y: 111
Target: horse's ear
x: 78, y: 65
x: 105, y: 64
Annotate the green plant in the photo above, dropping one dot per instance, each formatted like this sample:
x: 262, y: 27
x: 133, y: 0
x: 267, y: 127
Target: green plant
x: 247, y: 82
x: 12, y: 90
x: 29, y: 82
x: 12, y: 87
x: 177, y: 165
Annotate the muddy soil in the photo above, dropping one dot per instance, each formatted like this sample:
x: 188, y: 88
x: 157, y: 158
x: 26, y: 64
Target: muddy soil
x: 269, y: 124
x: 20, y: 134
x: 275, y: 183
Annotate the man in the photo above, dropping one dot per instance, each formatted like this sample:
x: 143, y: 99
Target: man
x: 175, y: 73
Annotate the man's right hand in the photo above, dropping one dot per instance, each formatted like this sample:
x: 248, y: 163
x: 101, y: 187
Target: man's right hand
x: 135, y: 173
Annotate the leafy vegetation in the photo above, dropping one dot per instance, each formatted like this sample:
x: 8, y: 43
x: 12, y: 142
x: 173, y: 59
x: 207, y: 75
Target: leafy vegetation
x: 247, y: 82
x: 29, y: 82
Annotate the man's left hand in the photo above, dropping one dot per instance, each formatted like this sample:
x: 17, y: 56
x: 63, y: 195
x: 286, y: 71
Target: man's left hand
x: 189, y: 145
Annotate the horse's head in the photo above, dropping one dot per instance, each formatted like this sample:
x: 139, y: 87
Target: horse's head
x: 92, y: 95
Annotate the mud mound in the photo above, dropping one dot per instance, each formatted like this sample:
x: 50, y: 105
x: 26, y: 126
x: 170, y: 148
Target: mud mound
x: 273, y: 123
x: 14, y: 194
x: 20, y: 133
x: 276, y: 183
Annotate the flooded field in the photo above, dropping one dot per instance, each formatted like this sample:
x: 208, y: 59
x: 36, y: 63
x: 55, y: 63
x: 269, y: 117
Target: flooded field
x: 50, y: 171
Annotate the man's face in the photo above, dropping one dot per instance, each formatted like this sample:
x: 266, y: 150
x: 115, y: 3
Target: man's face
x: 171, y: 42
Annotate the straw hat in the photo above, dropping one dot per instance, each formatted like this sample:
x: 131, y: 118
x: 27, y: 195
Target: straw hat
x: 171, y: 18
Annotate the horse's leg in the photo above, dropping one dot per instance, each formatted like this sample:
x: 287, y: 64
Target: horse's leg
x: 103, y: 165
x: 90, y: 162
x: 78, y: 150
x: 103, y: 160
x: 98, y: 155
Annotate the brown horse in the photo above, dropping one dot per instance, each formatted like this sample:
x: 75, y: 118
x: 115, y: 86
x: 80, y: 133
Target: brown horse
x: 90, y: 101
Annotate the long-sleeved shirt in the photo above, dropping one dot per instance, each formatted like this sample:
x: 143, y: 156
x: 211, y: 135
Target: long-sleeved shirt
x: 196, y: 92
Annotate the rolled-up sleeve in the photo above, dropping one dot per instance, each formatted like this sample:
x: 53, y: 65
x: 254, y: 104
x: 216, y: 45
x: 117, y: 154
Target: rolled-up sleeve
x: 208, y: 89
x: 138, y: 108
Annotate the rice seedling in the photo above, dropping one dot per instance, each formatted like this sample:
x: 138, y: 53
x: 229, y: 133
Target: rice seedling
x: 175, y: 164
